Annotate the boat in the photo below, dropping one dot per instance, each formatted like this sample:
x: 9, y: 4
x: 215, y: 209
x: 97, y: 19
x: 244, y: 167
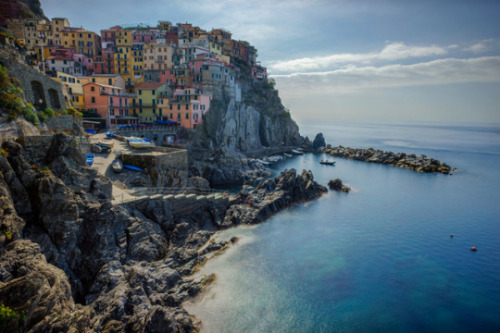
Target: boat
x: 298, y: 151
x: 287, y: 155
x: 107, y: 142
x: 140, y: 144
x: 90, y: 159
x: 100, y: 148
x: 117, y: 166
x: 327, y: 162
x: 110, y: 135
x: 133, y: 168
x: 247, y: 188
x: 263, y: 162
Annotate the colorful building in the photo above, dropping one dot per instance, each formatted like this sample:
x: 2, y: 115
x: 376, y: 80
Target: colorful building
x: 111, y: 103
x: 188, y: 107
x: 150, y: 101
x: 72, y: 90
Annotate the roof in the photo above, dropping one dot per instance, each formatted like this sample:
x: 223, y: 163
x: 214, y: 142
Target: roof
x: 150, y: 85
x: 104, y: 75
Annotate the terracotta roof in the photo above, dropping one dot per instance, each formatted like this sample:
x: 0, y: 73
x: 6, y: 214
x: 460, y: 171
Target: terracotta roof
x: 150, y: 85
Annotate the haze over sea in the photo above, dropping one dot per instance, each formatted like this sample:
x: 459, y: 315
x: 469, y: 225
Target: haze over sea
x: 379, y: 259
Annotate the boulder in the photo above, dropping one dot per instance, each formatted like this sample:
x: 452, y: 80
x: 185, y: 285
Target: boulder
x: 337, y: 185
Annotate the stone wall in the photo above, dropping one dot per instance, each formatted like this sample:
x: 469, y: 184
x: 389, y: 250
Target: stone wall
x: 61, y: 123
x: 173, y: 159
x: 40, y: 90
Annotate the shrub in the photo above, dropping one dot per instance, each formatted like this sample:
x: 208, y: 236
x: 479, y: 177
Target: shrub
x: 7, y: 314
x: 30, y: 114
x: 75, y: 113
x: 46, y: 114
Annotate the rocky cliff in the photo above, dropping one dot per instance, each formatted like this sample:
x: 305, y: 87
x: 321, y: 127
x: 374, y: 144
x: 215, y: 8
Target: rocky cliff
x: 71, y: 261
x: 232, y: 131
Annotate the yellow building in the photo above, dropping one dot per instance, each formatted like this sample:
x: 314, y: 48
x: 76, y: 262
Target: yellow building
x: 151, y: 102
x: 72, y: 90
x: 124, y: 60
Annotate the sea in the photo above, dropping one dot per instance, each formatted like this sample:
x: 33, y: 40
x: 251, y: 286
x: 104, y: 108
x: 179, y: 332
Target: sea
x: 380, y: 258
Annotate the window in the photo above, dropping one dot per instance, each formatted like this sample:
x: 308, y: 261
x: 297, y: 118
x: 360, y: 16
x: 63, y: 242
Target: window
x: 92, y: 88
x: 140, y: 92
x: 187, y: 115
x: 154, y: 110
x: 110, y: 82
x: 111, y: 112
x: 187, y: 106
x: 171, y: 106
x: 93, y: 80
x: 179, y: 116
x: 140, y: 110
x: 93, y: 100
x: 178, y: 107
x: 171, y: 116
x: 153, y: 92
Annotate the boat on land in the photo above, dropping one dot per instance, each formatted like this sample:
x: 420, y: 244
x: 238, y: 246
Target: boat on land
x: 327, y: 162
x: 298, y: 151
x: 117, y: 166
x: 133, y: 168
x: 107, y: 142
x: 100, y: 148
x: 90, y: 159
x: 287, y: 155
x: 110, y: 135
x: 140, y: 143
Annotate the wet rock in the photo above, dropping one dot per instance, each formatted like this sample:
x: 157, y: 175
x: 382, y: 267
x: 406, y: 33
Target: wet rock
x: 337, y: 185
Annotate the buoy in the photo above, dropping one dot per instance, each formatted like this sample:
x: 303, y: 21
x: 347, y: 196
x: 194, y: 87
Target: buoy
x: 473, y: 248
x: 451, y: 235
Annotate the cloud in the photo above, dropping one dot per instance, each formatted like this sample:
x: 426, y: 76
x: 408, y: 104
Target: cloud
x: 479, y: 47
x: 391, y: 52
x: 354, y: 78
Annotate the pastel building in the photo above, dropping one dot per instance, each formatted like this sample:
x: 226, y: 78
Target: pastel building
x: 188, y: 107
x: 109, y: 102
x: 149, y: 103
x: 158, y: 56
x: 72, y: 90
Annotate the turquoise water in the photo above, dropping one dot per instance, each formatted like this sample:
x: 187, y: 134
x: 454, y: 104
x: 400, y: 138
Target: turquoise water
x: 379, y: 259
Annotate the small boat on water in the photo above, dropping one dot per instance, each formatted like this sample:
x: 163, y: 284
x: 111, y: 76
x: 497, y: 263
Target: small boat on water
x: 263, y: 162
x: 327, y: 162
x: 133, y: 168
x: 117, y: 166
x: 287, y: 155
x: 90, y: 159
x: 298, y: 151
x: 247, y: 188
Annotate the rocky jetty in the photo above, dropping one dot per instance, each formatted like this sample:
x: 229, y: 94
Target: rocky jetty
x: 337, y: 185
x: 71, y: 261
x: 420, y: 163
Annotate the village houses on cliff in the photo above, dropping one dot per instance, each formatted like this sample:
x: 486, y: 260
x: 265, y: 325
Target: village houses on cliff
x: 131, y: 75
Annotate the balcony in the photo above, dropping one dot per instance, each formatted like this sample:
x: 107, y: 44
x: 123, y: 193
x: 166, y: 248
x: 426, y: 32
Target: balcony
x: 108, y: 93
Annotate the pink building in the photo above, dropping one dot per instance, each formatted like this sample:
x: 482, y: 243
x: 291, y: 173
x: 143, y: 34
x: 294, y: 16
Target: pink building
x: 144, y: 36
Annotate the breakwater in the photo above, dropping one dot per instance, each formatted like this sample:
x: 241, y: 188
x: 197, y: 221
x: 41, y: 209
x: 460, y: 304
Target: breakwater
x: 413, y: 162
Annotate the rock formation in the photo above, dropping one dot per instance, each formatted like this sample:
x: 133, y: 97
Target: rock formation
x: 337, y: 185
x: 72, y: 261
x: 401, y: 160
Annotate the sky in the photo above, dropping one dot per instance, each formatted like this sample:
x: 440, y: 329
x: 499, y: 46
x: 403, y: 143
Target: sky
x: 346, y: 60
